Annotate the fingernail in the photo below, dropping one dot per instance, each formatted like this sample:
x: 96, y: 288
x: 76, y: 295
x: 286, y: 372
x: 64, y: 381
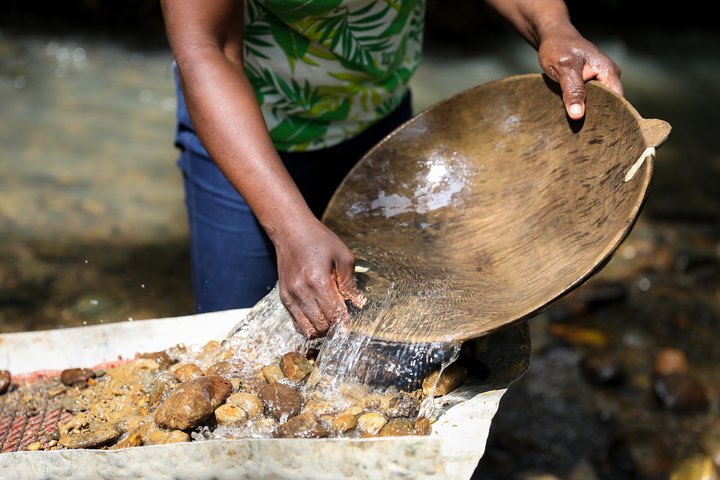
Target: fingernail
x: 575, y: 110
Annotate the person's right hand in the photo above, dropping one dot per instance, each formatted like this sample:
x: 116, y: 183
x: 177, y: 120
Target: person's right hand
x: 316, y: 273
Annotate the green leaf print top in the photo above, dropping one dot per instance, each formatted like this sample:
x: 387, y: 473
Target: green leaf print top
x: 325, y: 70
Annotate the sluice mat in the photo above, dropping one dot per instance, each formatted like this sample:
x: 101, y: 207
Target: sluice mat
x: 30, y: 414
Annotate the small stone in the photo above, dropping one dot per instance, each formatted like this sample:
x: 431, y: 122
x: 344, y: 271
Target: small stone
x: 161, y: 358
x: 450, y: 379
x: 76, y: 377
x: 230, y: 414
x: 162, y: 385
x: 711, y: 443
x: 94, y: 437
x: 295, y: 366
x: 189, y: 371
x: 5, y: 381
x: 343, y: 423
x: 304, y: 425
x: 671, y: 361
x: 192, y: 402
x: 681, y: 393
x: 401, y: 405
x: 226, y: 369
x: 602, y: 368
x: 249, y: 402
x: 34, y: 446
x: 280, y: 401
x: 423, y: 426
x: 273, y: 373
x: 163, y: 437
x: 398, y: 427
x: 133, y: 440
x: 697, y: 467
x: 369, y: 424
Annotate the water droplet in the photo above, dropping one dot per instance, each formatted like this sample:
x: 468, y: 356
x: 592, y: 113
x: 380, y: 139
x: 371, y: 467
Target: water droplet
x: 644, y: 284
x: 142, y: 285
x: 130, y: 319
x: 62, y: 55
x: 629, y: 252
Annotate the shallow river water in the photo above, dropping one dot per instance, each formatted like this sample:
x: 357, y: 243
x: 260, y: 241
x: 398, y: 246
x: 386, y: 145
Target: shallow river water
x: 93, y: 230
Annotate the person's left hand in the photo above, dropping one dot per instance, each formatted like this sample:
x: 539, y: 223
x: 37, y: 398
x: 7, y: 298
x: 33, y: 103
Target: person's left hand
x: 571, y: 60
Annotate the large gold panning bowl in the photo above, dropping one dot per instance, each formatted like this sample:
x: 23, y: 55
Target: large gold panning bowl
x: 489, y: 205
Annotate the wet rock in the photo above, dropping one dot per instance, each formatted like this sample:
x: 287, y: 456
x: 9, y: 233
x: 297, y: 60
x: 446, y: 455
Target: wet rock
x: 280, y: 401
x: 189, y: 371
x: 423, y: 426
x: 192, y: 402
x: 225, y: 369
x: 162, y: 385
x: 5, y: 381
x: 450, y: 379
x: 304, y: 425
x: 602, y: 368
x: 295, y: 366
x: 97, y: 435
x: 697, y: 467
x: 681, y: 393
x: 671, y: 361
x: 161, y: 358
x: 402, y: 405
x: 230, y: 414
x: 343, y: 423
x: 76, y: 377
x: 369, y: 424
x: 397, y: 427
x: 249, y: 402
x: 711, y: 443
x: 641, y: 453
x: 163, y: 437
x: 273, y: 373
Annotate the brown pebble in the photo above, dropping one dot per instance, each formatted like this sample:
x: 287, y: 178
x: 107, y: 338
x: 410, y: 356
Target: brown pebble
x: 451, y: 378
x: 295, y: 366
x: 681, y: 393
x: 230, y: 414
x: 398, y: 427
x: 76, y: 377
x: 161, y: 358
x: 249, y: 402
x: 188, y: 371
x: 96, y: 436
x: 304, y: 425
x: 226, y: 369
x: 273, y: 373
x: 280, y: 401
x: 369, y: 424
x: 423, y: 426
x: 343, y: 423
x: 192, y: 402
x: 34, y: 446
x: 163, y: 437
x: 671, y: 361
x: 5, y: 381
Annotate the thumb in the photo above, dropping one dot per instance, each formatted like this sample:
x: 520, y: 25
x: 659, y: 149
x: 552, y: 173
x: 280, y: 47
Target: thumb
x: 345, y: 278
x: 573, y: 90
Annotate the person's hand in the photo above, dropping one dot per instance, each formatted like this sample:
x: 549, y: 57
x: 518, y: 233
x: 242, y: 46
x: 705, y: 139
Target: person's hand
x: 316, y: 274
x: 571, y: 60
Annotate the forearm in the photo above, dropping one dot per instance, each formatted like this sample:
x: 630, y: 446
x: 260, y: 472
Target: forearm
x: 224, y: 110
x: 535, y: 18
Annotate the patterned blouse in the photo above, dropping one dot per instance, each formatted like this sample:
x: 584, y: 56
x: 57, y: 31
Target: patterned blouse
x: 325, y: 70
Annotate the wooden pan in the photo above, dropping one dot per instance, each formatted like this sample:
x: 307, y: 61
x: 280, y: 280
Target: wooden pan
x: 489, y: 205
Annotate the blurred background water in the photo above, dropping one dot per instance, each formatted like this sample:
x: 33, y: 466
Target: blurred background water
x: 93, y: 228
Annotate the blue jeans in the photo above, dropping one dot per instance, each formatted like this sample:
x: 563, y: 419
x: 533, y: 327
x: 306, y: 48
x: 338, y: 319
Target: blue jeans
x: 233, y: 261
